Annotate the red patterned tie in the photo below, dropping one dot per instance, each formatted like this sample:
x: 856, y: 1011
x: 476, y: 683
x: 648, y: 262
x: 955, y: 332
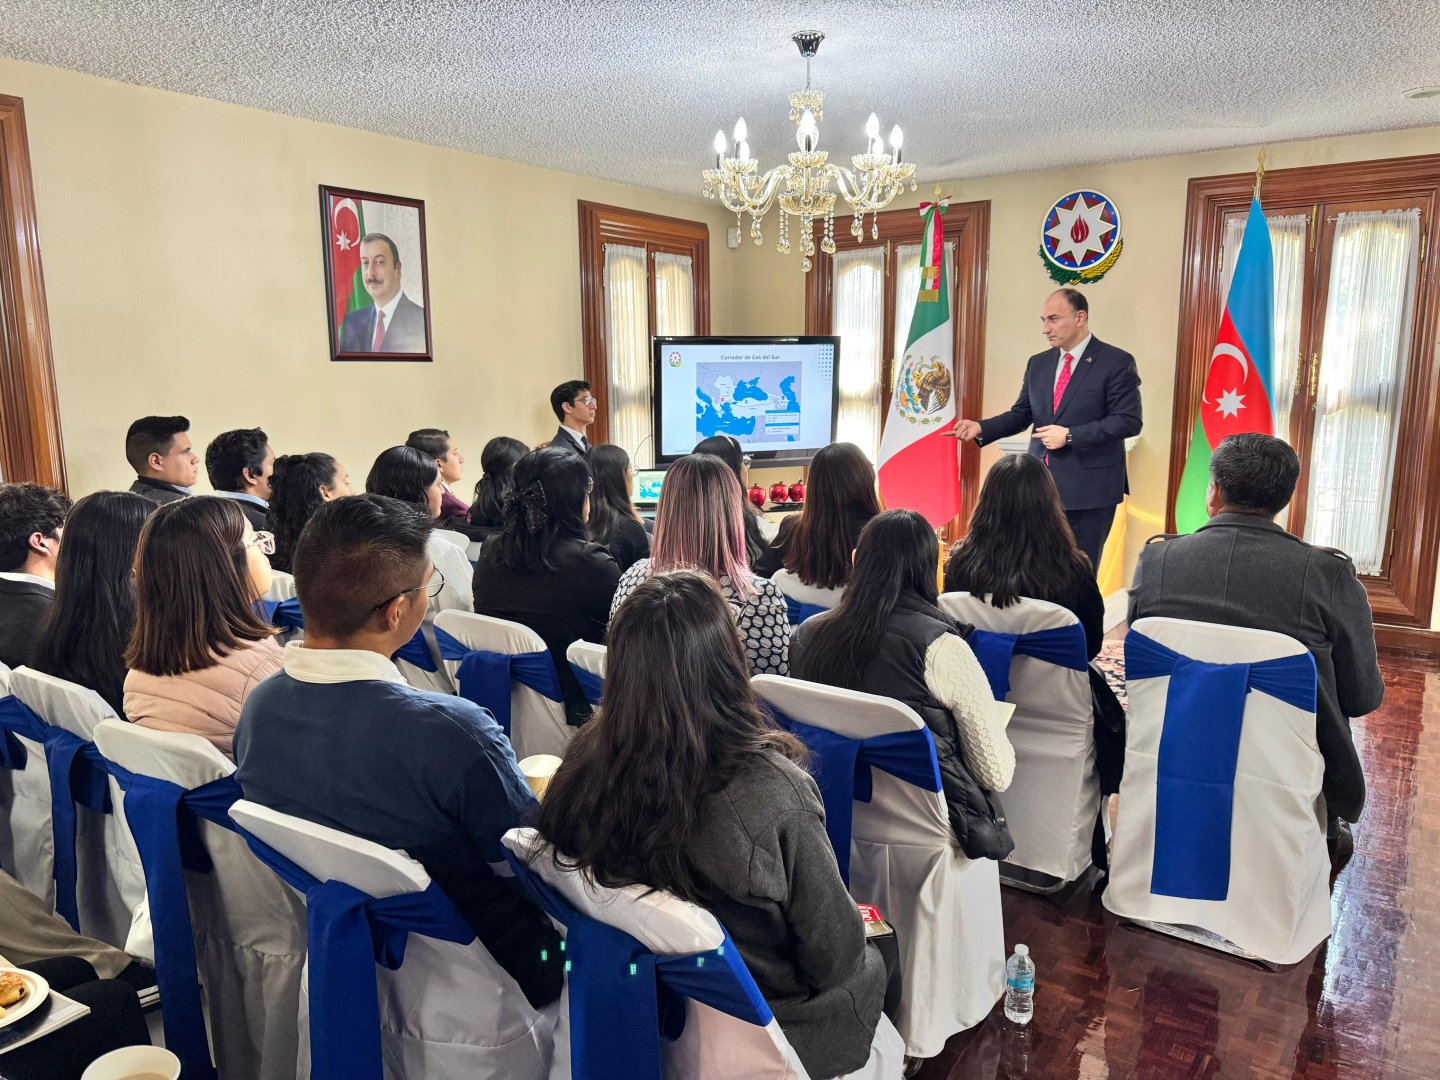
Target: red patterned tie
x: 1060, y: 384
x: 380, y: 337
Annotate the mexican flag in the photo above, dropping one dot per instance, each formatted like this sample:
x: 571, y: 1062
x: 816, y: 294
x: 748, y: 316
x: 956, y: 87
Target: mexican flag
x: 347, y: 226
x: 919, y: 469
x: 1237, y: 387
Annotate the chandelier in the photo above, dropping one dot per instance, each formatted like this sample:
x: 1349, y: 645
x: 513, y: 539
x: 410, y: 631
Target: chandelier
x: 803, y: 188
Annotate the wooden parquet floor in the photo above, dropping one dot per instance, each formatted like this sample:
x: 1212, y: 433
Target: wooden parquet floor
x: 1116, y: 1002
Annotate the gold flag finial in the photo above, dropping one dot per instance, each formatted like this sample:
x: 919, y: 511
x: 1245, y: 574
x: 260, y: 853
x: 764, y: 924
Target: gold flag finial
x: 1259, y: 170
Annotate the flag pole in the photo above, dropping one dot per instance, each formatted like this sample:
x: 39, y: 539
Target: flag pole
x: 1259, y: 170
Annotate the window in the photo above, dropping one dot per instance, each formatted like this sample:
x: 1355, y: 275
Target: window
x: 641, y: 276
x: 865, y: 294
x: 1356, y: 302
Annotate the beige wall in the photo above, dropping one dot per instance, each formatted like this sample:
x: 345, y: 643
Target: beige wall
x: 1136, y: 306
x: 182, y: 257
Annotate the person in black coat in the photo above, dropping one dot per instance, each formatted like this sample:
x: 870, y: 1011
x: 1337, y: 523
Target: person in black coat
x: 32, y: 519
x: 613, y: 521
x: 542, y: 571
x: 889, y: 637
x: 1083, y: 398
x: 816, y: 545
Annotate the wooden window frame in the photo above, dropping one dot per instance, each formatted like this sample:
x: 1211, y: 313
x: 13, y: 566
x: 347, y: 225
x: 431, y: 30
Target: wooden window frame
x: 30, y: 444
x: 601, y: 225
x: 967, y: 226
x: 1401, y: 599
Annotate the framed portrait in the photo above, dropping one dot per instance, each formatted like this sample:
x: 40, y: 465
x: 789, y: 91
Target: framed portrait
x: 377, y: 285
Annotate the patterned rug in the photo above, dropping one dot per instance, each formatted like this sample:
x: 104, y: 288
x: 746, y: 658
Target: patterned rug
x: 1111, y: 663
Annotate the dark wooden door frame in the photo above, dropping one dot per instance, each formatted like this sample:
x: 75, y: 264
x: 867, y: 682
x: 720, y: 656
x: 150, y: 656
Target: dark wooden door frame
x: 30, y: 446
x: 967, y: 225
x: 1402, y: 598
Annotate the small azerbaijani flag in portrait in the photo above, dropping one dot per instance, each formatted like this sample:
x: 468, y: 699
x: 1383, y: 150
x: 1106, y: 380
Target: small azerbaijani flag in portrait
x: 918, y: 468
x: 347, y: 226
x: 1237, y: 386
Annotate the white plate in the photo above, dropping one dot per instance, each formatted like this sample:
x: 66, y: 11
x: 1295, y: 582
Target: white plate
x: 38, y: 991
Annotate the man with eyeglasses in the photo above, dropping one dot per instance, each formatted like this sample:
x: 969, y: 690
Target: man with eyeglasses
x: 339, y: 738
x: 575, y: 407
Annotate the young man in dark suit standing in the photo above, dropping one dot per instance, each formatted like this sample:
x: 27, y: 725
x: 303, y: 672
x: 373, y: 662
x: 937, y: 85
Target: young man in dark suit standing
x: 1083, y: 398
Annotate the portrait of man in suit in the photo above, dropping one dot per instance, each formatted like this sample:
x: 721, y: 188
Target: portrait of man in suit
x: 378, y: 287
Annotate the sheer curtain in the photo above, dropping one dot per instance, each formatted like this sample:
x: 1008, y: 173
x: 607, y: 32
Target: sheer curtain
x: 1287, y: 241
x: 858, y: 318
x: 1362, y: 371
x: 674, y: 314
x: 626, y: 339
x: 907, y: 288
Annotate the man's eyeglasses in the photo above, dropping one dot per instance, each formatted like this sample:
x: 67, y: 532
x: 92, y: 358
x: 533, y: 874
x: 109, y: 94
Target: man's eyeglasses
x: 432, y: 587
x: 264, y: 541
x: 586, y: 401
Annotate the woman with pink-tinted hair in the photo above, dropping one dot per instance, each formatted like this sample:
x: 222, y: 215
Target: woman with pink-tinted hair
x: 700, y: 525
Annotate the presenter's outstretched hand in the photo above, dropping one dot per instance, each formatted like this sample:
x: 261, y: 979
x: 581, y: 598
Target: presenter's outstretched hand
x: 965, y: 430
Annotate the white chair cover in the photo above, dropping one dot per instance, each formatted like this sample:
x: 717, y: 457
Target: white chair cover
x: 110, y: 882
x: 791, y: 585
x: 714, y: 1045
x: 1278, y: 907
x: 472, y: 551
x: 1054, y: 801
x: 460, y: 540
x: 282, y: 587
x: 4, y: 679
x: 249, y: 927
x: 27, y: 843
x: 904, y: 859
x: 587, y: 656
x: 537, y: 724
x: 449, y: 1010
x: 450, y: 560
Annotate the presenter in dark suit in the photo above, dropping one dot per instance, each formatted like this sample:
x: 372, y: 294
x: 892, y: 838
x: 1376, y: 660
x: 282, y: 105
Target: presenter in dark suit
x: 393, y: 323
x: 1082, y: 397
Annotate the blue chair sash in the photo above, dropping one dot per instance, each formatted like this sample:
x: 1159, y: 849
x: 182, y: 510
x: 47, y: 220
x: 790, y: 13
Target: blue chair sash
x: 1199, y: 748
x: 593, y: 685
x: 416, y: 651
x: 799, y: 612
x: 349, y: 933
x: 78, y: 777
x: 162, y: 817
x: 1063, y: 646
x: 624, y: 998
x: 841, y: 768
x: 485, y: 677
x: 284, y: 614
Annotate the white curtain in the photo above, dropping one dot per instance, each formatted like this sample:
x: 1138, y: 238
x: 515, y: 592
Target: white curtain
x: 1362, y: 372
x: 627, y: 339
x: 858, y: 318
x: 674, y: 316
x: 907, y: 289
x: 1287, y: 241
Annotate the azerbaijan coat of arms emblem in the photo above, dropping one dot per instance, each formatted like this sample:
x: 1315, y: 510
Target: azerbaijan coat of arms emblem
x: 922, y: 389
x: 1080, y: 238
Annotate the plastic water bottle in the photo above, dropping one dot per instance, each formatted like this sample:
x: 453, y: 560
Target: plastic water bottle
x: 1020, y: 986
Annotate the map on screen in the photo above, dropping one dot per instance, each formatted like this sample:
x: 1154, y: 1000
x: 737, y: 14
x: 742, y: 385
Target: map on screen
x: 755, y: 402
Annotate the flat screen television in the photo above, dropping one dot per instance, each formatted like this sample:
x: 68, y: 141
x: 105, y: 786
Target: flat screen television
x: 777, y: 395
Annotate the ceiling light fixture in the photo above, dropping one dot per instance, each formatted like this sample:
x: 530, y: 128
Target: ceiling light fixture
x: 803, y: 187
x: 1423, y: 92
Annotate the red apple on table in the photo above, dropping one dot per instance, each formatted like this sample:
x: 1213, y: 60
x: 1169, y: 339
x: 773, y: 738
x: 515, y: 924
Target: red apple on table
x: 757, y: 495
x: 779, y: 492
x: 797, y: 491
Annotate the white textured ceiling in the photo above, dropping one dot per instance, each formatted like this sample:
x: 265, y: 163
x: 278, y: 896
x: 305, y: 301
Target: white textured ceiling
x: 634, y: 92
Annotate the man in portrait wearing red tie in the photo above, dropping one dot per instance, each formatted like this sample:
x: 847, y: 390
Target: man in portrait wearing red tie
x: 1083, y: 398
x: 393, y: 323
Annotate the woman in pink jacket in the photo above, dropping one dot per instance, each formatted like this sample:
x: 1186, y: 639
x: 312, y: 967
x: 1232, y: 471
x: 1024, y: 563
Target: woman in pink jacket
x: 199, y: 646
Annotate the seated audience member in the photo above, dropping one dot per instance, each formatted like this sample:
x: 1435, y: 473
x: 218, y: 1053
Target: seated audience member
x: 88, y: 627
x: 158, y: 449
x: 1020, y: 544
x: 575, y: 407
x: 681, y: 783
x: 1242, y: 569
x: 727, y: 449
x: 404, y: 473
x: 888, y: 637
x: 497, y: 479
x: 32, y: 519
x: 541, y: 570
x: 300, y: 485
x: 239, y: 464
x: 339, y: 738
x: 199, y: 649
x: 699, y: 525
x: 438, y: 444
x: 816, y: 544
x: 613, y: 520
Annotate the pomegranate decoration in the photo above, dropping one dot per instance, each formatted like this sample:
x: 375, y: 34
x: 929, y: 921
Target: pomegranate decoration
x: 757, y: 495
x: 797, y: 491
x: 779, y: 492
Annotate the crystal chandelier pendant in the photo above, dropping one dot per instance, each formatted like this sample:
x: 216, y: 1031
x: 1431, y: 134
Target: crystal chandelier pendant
x: 808, y: 185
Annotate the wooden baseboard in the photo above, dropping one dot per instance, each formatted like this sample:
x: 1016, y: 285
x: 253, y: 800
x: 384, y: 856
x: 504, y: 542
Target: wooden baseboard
x: 1411, y: 640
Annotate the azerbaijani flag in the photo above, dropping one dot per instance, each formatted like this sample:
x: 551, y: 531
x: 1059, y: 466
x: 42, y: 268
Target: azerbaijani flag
x: 347, y: 226
x: 919, y: 469
x: 1237, y: 387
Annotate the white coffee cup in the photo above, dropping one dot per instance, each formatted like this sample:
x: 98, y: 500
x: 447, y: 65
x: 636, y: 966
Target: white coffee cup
x: 130, y: 1062
x: 537, y: 770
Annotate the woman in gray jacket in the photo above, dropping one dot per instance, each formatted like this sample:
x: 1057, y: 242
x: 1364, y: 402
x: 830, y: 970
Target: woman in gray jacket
x: 681, y: 783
